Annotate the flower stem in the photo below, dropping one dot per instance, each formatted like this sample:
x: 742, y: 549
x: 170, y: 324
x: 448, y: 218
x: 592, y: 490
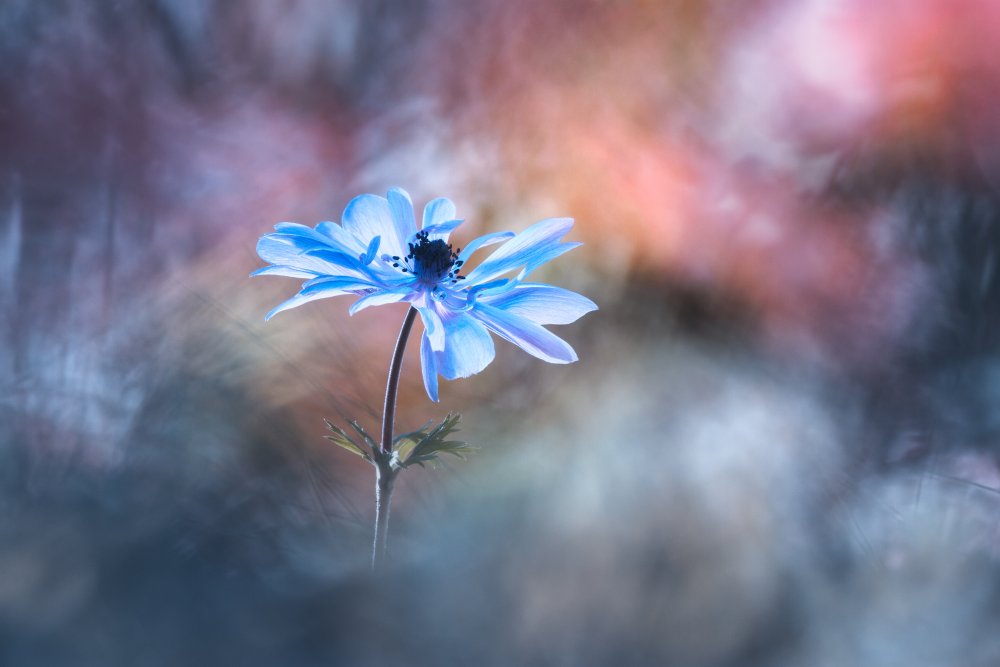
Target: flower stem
x: 392, y: 385
x: 383, y: 496
x: 385, y: 475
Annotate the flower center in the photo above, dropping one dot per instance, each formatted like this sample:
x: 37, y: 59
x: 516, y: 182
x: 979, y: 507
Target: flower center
x: 430, y: 261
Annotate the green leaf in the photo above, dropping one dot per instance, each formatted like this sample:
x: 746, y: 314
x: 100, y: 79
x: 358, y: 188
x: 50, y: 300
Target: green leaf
x: 415, y: 436
x: 341, y: 439
x: 424, y: 446
x: 363, y: 433
x: 403, y: 444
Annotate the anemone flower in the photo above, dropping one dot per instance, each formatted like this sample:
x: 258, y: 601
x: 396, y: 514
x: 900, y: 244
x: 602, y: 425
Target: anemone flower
x: 379, y: 255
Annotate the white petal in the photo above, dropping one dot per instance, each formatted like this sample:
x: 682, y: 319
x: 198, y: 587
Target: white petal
x: 283, y: 271
x: 296, y: 252
x: 300, y: 299
x: 493, y: 287
x: 379, y: 298
x: 402, y: 217
x: 368, y: 216
x: 530, y: 337
x: 341, y: 283
x: 341, y: 264
x: 433, y: 327
x: 531, y: 248
x: 442, y: 230
x: 482, y: 242
x: 325, y: 233
x: 437, y: 211
x: 468, y: 348
x: 428, y: 368
x: 371, y: 251
x: 542, y: 304
x: 340, y: 236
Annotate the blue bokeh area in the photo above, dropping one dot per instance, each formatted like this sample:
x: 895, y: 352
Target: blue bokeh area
x: 779, y: 446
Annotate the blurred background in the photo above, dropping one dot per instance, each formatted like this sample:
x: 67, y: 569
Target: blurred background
x: 780, y: 446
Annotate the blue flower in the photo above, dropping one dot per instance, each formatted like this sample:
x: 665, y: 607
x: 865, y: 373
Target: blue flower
x: 379, y: 255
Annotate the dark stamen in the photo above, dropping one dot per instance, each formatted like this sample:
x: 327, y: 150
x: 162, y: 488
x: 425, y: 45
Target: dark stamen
x: 433, y: 260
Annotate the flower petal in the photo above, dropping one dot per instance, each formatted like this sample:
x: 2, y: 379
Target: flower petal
x: 433, y: 327
x: 295, y: 251
x: 301, y: 298
x: 542, y: 304
x: 437, y: 211
x: 530, y: 337
x: 371, y: 251
x: 468, y: 347
x: 531, y: 248
x: 283, y: 271
x: 428, y: 368
x: 368, y: 216
x: 350, y: 244
x: 337, y: 239
x: 380, y: 298
x: 294, y: 242
x: 342, y: 283
x: 492, y: 287
x: 442, y: 230
x: 339, y: 264
x: 482, y: 242
x: 402, y: 217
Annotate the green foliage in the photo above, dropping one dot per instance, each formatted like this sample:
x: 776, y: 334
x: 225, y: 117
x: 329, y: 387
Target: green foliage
x: 416, y: 447
x: 341, y: 439
x: 426, y: 444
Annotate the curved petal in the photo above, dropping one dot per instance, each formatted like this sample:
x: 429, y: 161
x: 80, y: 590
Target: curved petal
x: 529, y: 261
x: 428, y: 368
x: 368, y: 216
x: 301, y: 298
x: 468, y: 348
x: 442, y: 230
x: 437, y: 211
x: 482, y: 242
x: 301, y: 253
x: 292, y: 243
x: 346, y: 264
x: 492, y: 287
x: 283, y: 271
x: 326, y: 283
x: 338, y: 239
x: 542, y: 304
x: 341, y: 236
x: 380, y: 298
x: 433, y: 327
x: 371, y: 251
x: 402, y: 217
x: 530, y: 337
x: 531, y: 248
